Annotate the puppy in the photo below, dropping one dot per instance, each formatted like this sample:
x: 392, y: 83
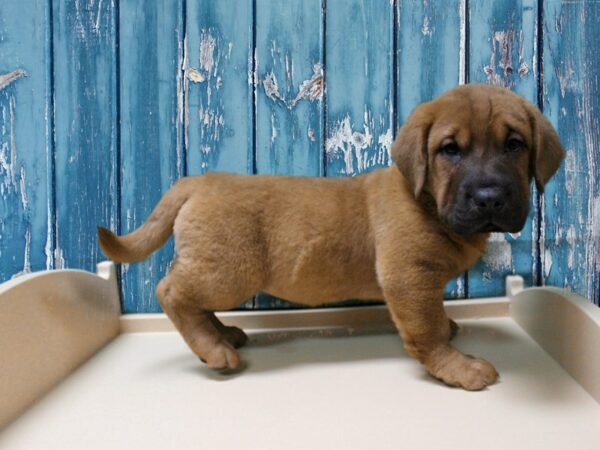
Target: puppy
x: 463, y: 164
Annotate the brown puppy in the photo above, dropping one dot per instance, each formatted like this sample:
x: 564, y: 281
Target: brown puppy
x: 463, y: 166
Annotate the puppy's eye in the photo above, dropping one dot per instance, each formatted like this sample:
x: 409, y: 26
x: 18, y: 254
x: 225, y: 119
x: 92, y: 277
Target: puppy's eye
x: 514, y: 145
x: 451, y: 150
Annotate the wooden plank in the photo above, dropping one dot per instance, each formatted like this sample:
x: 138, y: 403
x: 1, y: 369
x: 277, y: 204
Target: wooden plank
x: 219, y: 103
x: 289, y: 93
x: 151, y: 91
x: 26, y: 228
x: 86, y: 131
x: 360, y: 78
x: 571, y: 96
x: 289, y: 66
x: 430, y: 46
x: 502, y: 51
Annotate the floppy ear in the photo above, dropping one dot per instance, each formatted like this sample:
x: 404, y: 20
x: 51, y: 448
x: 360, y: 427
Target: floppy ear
x: 409, y: 151
x: 547, y: 152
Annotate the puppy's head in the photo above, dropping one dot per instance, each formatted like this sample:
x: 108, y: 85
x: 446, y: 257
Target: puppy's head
x: 475, y: 150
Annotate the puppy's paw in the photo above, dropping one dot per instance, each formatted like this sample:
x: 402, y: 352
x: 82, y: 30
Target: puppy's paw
x: 235, y: 336
x: 222, y: 357
x: 456, y: 369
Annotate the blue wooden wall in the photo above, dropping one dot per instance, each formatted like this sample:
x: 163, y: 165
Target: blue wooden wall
x: 104, y: 104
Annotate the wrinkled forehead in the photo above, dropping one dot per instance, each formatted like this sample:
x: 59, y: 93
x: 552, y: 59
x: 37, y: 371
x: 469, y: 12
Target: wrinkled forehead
x: 479, y: 118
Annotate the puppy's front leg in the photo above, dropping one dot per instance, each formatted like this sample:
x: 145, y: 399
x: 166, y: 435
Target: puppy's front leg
x: 418, y: 312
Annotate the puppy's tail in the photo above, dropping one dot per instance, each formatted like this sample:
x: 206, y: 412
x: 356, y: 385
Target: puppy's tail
x: 138, y: 244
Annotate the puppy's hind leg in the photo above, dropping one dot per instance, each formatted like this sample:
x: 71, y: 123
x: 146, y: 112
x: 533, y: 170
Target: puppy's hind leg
x: 183, y: 305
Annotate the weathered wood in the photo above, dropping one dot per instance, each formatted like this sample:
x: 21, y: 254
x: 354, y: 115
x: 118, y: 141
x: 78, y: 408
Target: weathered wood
x: 26, y: 226
x: 502, y: 51
x: 289, y: 71
x: 151, y: 107
x: 85, y: 94
x: 571, y: 99
x: 219, y: 104
x: 430, y: 52
x: 360, y: 78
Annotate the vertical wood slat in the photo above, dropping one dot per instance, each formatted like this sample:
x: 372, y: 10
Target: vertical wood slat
x: 429, y: 58
x: 289, y: 90
x: 26, y: 228
x: 151, y: 56
x: 360, y: 77
x: 219, y: 103
x: 502, y: 52
x: 571, y: 99
x: 86, y: 128
x: 289, y: 71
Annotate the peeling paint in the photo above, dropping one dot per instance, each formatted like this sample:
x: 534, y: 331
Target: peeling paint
x: 8, y: 78
x: 8, y: 153
x: 547, y: 262
x: 502, y: 42
x: 499, y: 252
x: 207, y: 49
x: 272, y: 87
x: 26, y: 256
x: 351, y: 145
x: 22, y: 189
x: 195, y: 76
x: 462, y: 53
x: 570, y: 171
x: 385, y: 141
x: 311, y: 89
x: 425, y: 29
x: 571, y: 242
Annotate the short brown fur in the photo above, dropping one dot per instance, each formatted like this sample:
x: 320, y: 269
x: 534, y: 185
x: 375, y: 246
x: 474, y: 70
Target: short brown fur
x: 315, y: 240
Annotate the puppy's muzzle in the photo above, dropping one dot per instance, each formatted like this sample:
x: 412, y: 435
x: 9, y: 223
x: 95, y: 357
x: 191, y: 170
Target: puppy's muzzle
x: 488, y: 207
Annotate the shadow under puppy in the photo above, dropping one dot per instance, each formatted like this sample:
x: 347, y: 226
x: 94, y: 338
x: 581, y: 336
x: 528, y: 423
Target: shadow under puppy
x: 463, y: 165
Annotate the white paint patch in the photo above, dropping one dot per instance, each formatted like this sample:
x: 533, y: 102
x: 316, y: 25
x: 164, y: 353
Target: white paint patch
x: 272, y: 87
x: 311, y: 134
x: 570, y: 171
x: 26, y: 256
x: 425, y: 29
x: 565, y: 78
x: 350, y: 144
x: 502, y: 42
x: 311, y: 89
x: 571, y: 241
x: 195, y: 76
x: 207, y: 49
x: 273, y: 128
x: 60, y: 258
x: 547, y: 263
x: 385, y: 142
x: 24, y: 201
x: 8, y: 152
x: 462, y: 54
x: 595, y: 213
x: 8, y: 78
x: 499, y: 252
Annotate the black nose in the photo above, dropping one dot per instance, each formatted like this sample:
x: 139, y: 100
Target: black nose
x: 488, y: 199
